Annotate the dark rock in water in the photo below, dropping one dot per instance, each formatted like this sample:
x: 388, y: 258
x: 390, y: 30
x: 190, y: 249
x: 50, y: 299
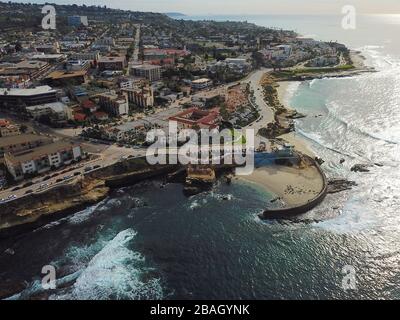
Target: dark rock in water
x: 320, y: 161
x: 339, y: 185
x: 342, y: 161
x: 360, y: 168
x: 275, y: 200
x: 378, y: 164
x: 229, y: 178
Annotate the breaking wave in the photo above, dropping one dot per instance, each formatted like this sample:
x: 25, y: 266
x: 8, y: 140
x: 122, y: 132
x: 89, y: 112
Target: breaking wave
x: 116, y: 272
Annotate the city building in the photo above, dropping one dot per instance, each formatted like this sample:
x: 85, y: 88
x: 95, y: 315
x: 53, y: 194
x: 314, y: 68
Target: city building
x: 30, y: 68
x: 21, y: 142
x: 77, y: 65
x: 62, y: 78
x: 42, y: 159
x: 55, y: 110
x: 129, y: 83
x: 201, y: 83
x: 195, y: 118
x: 111, y: 63
x: 8, y: 129
x: 141, y: 97
x: 116, y: 105
x: 76, y: 21
x: 149, y: 72
x: 91, y: 55
x: 49, y: 48
x: 29, y: 97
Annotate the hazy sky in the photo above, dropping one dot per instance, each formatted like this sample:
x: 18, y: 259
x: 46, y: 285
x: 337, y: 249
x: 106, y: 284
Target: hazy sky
x: 219, y: 7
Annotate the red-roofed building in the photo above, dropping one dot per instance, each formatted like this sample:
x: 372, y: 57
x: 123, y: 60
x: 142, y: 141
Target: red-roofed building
x: 89, y: 106
x: 194, y: 117
x: 79, y: 117
x: 100, y: 115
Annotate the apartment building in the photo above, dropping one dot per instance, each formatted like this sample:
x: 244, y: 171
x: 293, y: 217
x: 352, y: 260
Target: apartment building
x: 116, y: 105
x: 147, y: 71
x: 141, y: 97
x: 42, y: 159
x: 111, y: 63
x: 21, y: 142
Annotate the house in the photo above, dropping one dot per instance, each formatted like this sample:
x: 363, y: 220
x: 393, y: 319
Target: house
x: 79, y: 117
x: 89, y: 106
x: 101, y: 116
x: 8, y: 129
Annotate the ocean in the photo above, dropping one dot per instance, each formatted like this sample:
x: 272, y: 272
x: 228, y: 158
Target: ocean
x: 147, y: 242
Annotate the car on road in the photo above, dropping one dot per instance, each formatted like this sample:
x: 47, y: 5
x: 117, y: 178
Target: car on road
x: 87, y: 169
x: 12, y: 197
x: 28, y: 184
x: 15, y: 189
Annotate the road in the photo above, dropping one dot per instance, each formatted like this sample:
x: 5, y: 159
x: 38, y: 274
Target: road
x: 136, y: 49
x: 106, y: 155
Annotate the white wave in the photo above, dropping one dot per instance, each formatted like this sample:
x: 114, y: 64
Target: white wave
x: 114, y: 273
x: 355, y: 217
x: 290, y: 92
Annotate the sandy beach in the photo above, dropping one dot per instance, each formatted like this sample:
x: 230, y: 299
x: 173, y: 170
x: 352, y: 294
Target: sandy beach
x: 283, y: 86
x: 294, y: 186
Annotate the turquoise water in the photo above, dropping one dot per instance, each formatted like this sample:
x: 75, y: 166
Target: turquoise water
x: 145, y: 242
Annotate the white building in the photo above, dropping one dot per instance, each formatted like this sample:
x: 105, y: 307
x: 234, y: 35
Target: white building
x: 201, y: 83
x: 77, y: 65
x: 42, y: 159
x: 56, y: 110
x: 141, y: 97
x: 147, y: 71
x: 116, y: 105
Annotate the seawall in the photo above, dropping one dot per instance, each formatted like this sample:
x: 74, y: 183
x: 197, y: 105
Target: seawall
x: 290, y: 212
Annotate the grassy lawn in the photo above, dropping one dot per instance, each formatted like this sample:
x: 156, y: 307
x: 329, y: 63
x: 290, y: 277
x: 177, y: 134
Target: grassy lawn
x: 304, y: 71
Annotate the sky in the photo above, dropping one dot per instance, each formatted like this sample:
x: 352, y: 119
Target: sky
x: 226, y: 7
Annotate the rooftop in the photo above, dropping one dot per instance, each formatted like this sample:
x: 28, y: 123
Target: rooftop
x: 26, y: 92
x: 41, y: 151
x: 22, y: 138
x: 55, y: 106
x: 66, y: 74
x: 111, y: 59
